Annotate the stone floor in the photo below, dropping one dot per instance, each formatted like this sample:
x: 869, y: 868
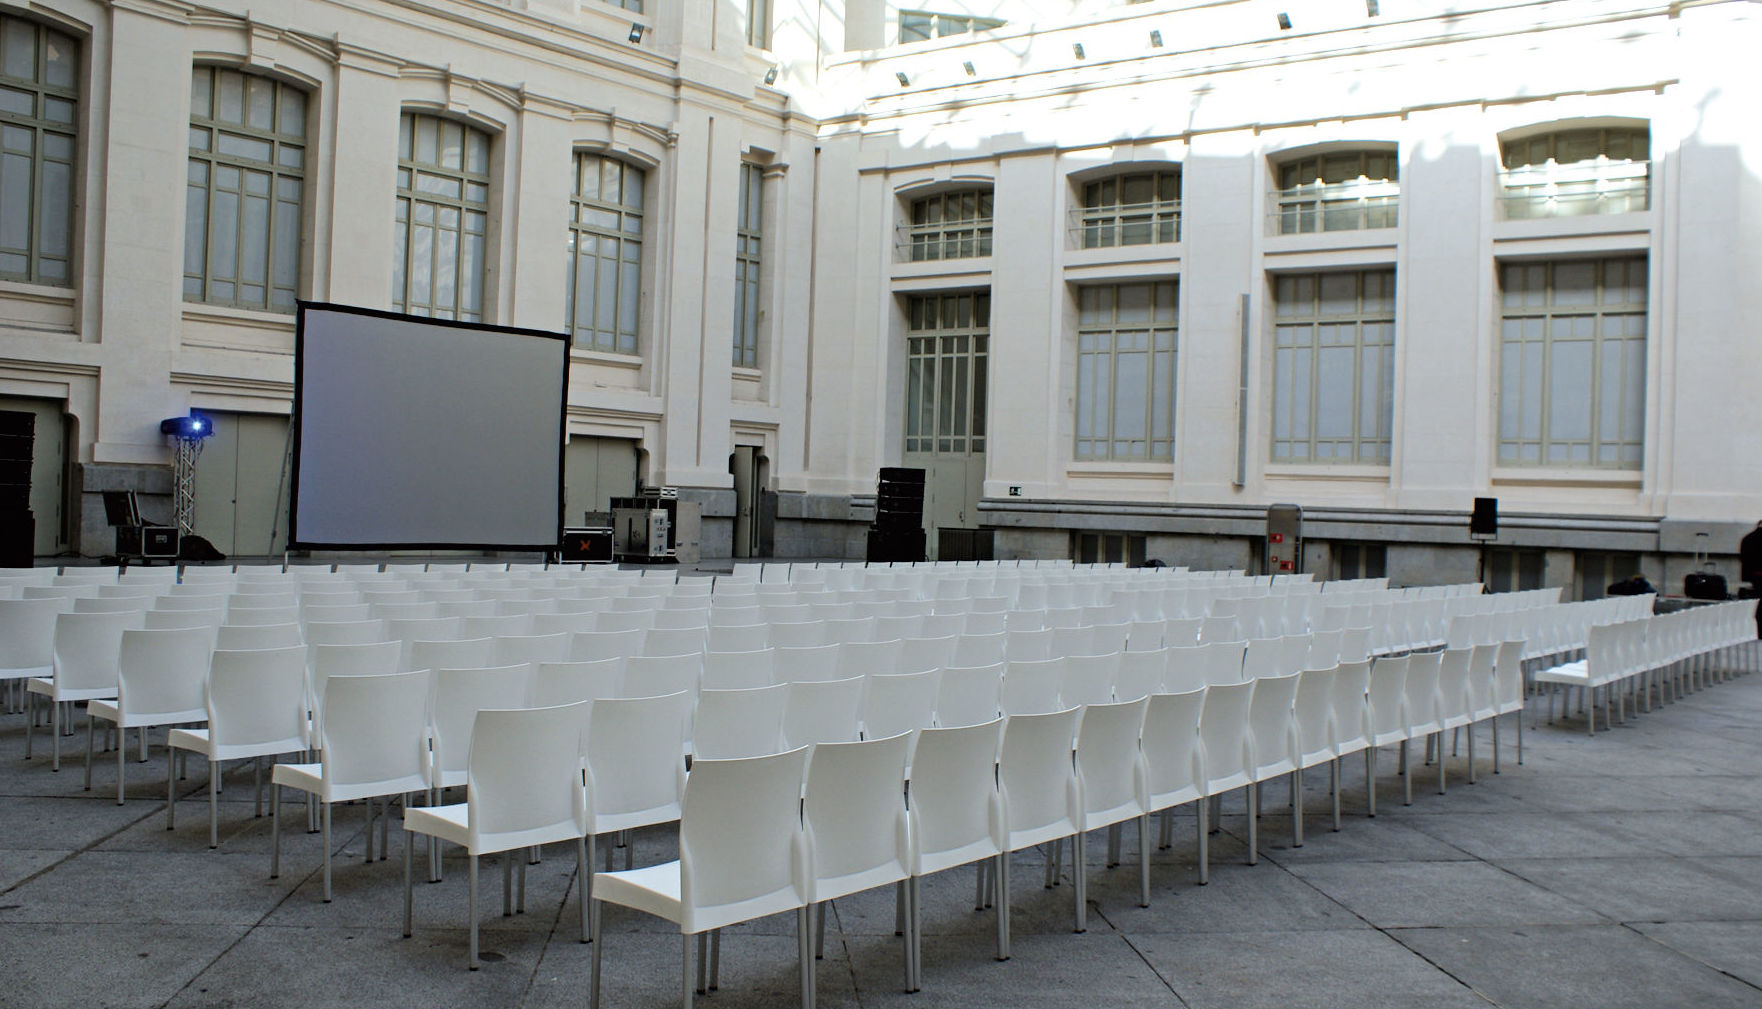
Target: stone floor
x: 1621, y: 869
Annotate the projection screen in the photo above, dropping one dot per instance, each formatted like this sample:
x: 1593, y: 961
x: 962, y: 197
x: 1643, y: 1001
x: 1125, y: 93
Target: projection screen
x: 421, y: 433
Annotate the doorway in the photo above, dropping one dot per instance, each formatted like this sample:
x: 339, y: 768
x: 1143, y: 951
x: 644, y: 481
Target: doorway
x: 241, y: 487
x: 751, y: 471
x: 39, y: 457
x: 947, y: 353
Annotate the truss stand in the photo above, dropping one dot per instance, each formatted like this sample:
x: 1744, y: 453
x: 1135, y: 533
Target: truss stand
x: 187, y: 433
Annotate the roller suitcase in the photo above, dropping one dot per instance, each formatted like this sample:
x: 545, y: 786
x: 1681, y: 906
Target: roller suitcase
x: 1704, y: 582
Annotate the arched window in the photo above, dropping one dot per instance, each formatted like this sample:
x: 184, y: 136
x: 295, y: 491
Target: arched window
x: 246, y: 183
x: 1338, y: 191
x: 1131, y: 208
x: 949, y: 225
x: 442, y: 218
x: 39, y: 99
x: 1565, y: 173
x: 605, y: 253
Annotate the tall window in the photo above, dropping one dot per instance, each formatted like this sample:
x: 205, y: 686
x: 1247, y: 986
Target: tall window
x: 953, y: 225
x: 442, y: 218
x: 605, y: 253
x: 747, y: 238
x: 39, y: 98
x: 1572, y: 367
x: 947, y: 347
x: 1138, y: 208
x: 1126, y: 371
x: 920, y: 26
x: 758, y: 23
x: 1344, y: 191
x: 246, y: 177
x: 1571, y: 172
x: 1333, y: 366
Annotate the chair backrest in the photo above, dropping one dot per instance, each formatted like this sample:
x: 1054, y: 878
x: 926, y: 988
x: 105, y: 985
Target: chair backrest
x: 675, y: 641
x: 900, y: 702
x: 1173, y: 755
x: 463, y: 653
x: 1036, y: 777
x: 1508, y: 675
x: 868, y: 658
x: 1264, y: 657
x: 823, y: 711
x: 798, y: 633
x: 568, y: 622
x: 523, y: 782
x: 614, y: 621
x: 375, y: 735
x: 1388, y: 699
x: 1031, y: 686
x: 247, y: 615
x: 1027, y: 645
x: 1315, y: 716
x: 969, y: 695
x: 1110, y: 761
x: 87, y: 646
x: 455, y: 698
x: 1182, y: 630
x: 328, y: 612
x: 978, y: 649
x: 111, y: 604
x: 738, y: 637
x: 161, y: 674
x: 530, y: 649
x: 1222, y: 661
x: 1482, y: 681
x: 897, y: 627
x: 1351, y: 688
x: 917, y: 654
x: 27, y: 632
x: 635, y: 751
x: 955, y: 806
x: 1453, y: 701
x: 190, y: 601
x: 346, y: 632
x: 554, y: 683
x: 739, y: 670
x: 739, y: 723
x: 256, y: 701
x: 653, y: 675
x: 1354, y: 644
x: 371, y: 659
x: 854, y: 809
x: 1272, y: 720
x: 1324, y: 649
x: 586, y: 645
x: 1089, y: 679
x: 1422, y: 702
x: 1224, y: 732
x: 742, y: 850
x: 1141, y: 672
x: 501, y: 625
x: 246, y: 636
x: 796, y: 663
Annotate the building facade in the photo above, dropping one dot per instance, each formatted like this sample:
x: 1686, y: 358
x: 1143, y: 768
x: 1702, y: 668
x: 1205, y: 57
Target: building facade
x: 1119, y: 276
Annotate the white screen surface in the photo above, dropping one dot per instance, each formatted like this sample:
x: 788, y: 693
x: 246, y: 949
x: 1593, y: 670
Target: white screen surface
x: 418, y: 433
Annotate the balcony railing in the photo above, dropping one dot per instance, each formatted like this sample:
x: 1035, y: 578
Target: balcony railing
x: 1583, y: 187
x: 1125, y: 224
x: 922, y: 243
x: 1337, y: 206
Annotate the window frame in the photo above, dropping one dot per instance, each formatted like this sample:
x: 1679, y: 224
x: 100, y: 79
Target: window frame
x: 1096, y: 435
x: 749, y: 238
x: 931, y: 235
x: 947, y: 372
x: 930, y: 25
x: 1105, y: 221
x: 1369, y: 201
x: 590, y: 336
x: 1371, y: 439
x: 206, y: 189
x: 42, y: 93
x: 1533, y: 186
x: 1536, y: 416
x: 409, y: 200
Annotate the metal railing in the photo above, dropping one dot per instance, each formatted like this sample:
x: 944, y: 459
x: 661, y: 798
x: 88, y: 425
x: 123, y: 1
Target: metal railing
x: 1580, y: 188
x: 1119, y: 224
x: 1337, y: 206
x: 922, y: 243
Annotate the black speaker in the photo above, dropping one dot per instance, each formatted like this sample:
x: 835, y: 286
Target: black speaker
x: 1485, y: 520
x: 590, y: 545
x: 18, y: 538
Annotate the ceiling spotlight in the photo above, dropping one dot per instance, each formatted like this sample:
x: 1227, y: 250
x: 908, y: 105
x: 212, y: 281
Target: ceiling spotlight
x: 770, y: 75
x: 968, y: 67
x: 1371, y: 8
x: 1284, y: 21
x: 1077, y: 49
x: 1155, y: 39
x: 904, y: 81
x: 636, y: 30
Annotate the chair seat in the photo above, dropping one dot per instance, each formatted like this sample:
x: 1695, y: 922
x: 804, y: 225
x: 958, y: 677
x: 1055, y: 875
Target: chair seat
x: 1570, y: 673
x: 653, y: 889
x: 110, y: 712
x: 927, y: 863
x: 450, y: 823
x: 45, y: 685
x: 27, y: 672
x: 310, y: 778
x: 199, y: 741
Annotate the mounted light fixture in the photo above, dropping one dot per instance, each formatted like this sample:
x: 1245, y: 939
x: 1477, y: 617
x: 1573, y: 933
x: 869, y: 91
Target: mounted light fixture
x: 1077, y: 49
x: 1371, y: 8
x: 1155, y: 39
x: 636, y: 30
x: 968, y: 67
x: 904, y: 81
x: 1284, y: 21
x: 770, y: 75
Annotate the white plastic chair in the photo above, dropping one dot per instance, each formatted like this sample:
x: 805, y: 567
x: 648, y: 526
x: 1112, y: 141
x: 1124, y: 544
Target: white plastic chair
x: 1422, y: 707
x: 1352, y: 726
x: 1114, y: 782
x: 1222, y: 661
x: 374, y: 743
x: 1041, y: 798
x: 1455, y: 707
x: 376, y: 658
x: 918, y: 654
x: 86, y: 650
x: 459, y: 653
x: 588, y: 645
x: 345, y: 632
x: 900, y: 702
x: 1273, y: 728
x: 739, y: 670
x: 807, y: 662
x: 524, y: 789
x: 1387, y: 702
x: 1229, y: 757
x: 1174, y: 760
x: 554, y: 683
x: 870, y: 658
x: 653, y: 675
x: 738, y: 637
x: 731, y: 724
x: 675, y: 641
x: 27, y: 643
x: 1509, y: 693
x: 858, y: 827
x: 823, y: 711
x: 635, y: 761
x: 956, y: 816
x: 245, y: 637
x: 743, y: 854
x: 978, y: 649
x: 1089, y: 679
x: 1031, y: 687
x: 160, y: 679
x: 1141, y: 673
x: 455, y: 698
x: 798, y: 634
x: 255, y: 703
x: 969, y: 695
x: 1314, y: 718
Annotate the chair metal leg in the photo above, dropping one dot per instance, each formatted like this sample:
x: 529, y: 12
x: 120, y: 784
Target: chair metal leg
x: 1254, y: 823
x: 274, y: 830
x: 804, y: 924
x: 914, y: 936
x: 119, y: 764
x: 703, y: 963
x: 820, y: 932
x: 171, y: 791
x: 1297, y: 808
x: 715, y: 958
x: 1200, y: 818
x: 1079, y: 845
x: 1003, y: 906
x: 470, y: 906
x: 369, y: 858
x: 409, y: 889
x: 1495, y: 720
x: 1370, y: 779
x: 1144, y: 860
x: 1471, y: 753
x: 979, y: 887
x: 688, y: 972
x: 593, y: 939
x: 507, y: 884
x: 1440, y: 763
x: 1334, y: 788
x: 324, y: 829
x: 1406, y: 773
x: 584, y: 873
